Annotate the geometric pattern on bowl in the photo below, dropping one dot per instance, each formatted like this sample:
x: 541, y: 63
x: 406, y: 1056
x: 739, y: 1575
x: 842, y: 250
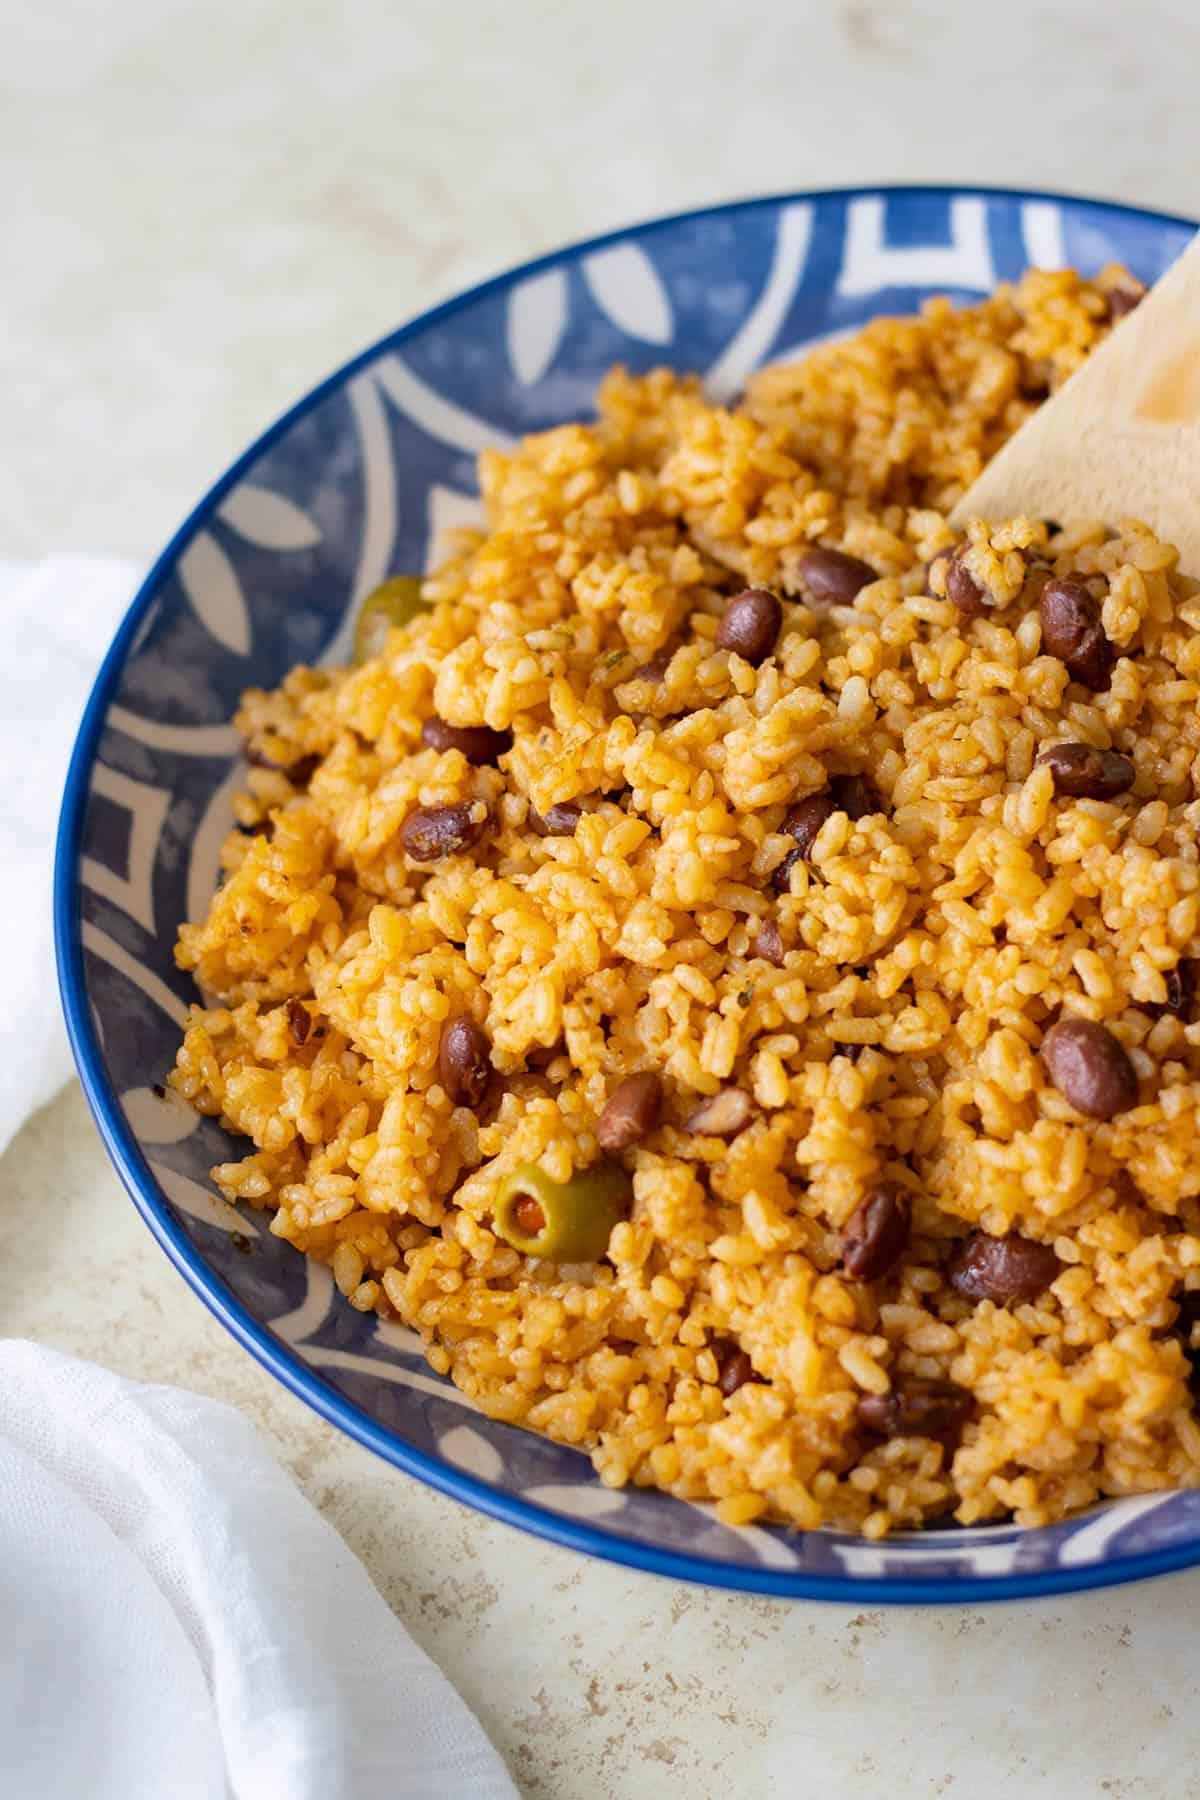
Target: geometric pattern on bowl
x: 356, y: 482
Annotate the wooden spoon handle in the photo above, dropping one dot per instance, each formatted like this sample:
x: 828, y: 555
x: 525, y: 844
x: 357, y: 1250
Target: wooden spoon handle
x: 1121, y: 438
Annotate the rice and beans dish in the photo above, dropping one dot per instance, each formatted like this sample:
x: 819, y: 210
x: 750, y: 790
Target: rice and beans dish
x: 720, y: 966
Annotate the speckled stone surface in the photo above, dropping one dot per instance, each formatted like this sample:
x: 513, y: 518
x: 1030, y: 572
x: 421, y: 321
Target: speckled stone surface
x: 205, y: 210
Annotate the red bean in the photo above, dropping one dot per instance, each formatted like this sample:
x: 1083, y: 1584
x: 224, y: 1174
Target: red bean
x: 478, y: 743
x: 750, y: 625
x: 781, y: 878
x: 854, y: 795
x: 804, y: 820
x: 1084, y: 773
x: 877, y: 1231
x: 1090, y: 1068
x: 1002, y: 1268
x: 915, y: 1407
x: 431, y: 832
x: 962, y: 589
x: 1181, y: 987
x: 465, y: 1061
x: 722, y: 1115
x: 769, y: 943
x: 631, y: 1112
x: 734, y: 1368
x: 560, y: 820
x: 1071, y: 630
x: 832, y: 577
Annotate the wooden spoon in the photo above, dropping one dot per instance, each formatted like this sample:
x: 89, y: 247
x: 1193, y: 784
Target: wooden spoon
x: 1121, y: 438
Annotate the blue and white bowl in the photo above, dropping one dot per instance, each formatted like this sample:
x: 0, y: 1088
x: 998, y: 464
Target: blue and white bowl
x: 356, y: 483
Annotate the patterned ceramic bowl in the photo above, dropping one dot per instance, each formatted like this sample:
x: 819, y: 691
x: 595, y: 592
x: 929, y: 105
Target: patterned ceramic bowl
x: 356, y: 482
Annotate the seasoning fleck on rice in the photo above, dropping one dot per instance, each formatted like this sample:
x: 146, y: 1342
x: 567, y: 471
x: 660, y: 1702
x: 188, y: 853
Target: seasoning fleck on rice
x: 808, y: 925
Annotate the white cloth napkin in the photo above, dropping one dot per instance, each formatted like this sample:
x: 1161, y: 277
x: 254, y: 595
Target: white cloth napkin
x: 59, y: 618
x: 179, y: 1622
x: 176, y: 1621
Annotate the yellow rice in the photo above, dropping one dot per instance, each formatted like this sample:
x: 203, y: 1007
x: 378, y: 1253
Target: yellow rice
x: 928, y: 947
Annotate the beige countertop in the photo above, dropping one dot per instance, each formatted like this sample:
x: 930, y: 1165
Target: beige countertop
x: 206, y: 210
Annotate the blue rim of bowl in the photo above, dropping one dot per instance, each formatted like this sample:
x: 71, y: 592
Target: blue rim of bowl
x: 287, y: 1366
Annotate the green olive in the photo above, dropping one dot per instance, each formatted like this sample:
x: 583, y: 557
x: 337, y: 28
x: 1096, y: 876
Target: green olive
x: 562, y: 1221
x: 396, y: 602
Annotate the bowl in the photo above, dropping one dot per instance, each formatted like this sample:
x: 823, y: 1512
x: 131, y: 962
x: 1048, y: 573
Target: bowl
x: 357, y: 482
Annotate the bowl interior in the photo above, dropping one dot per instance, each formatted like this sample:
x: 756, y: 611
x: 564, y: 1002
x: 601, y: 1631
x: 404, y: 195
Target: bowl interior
x: 358, y: 482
